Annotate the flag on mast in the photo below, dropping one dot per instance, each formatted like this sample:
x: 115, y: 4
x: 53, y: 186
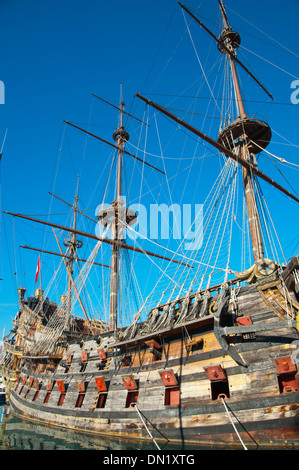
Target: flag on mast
x: 37, y: 270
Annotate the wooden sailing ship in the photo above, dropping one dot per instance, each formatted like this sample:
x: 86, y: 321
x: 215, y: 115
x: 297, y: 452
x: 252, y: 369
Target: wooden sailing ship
x: 215, y: 365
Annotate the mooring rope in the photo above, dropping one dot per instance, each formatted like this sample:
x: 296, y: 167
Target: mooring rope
x: 229, y: 417
x: 144, y: 424
x: 134, y: 405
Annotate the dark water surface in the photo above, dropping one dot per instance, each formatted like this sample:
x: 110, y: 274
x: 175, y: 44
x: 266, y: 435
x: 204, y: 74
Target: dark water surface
x: 17, y: 434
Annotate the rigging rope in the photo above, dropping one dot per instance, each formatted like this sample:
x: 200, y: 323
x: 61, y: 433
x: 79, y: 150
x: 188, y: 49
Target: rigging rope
x: 198, y: 59
x: 219, y: 204
x: 282, y: 160
x: 269, y: 62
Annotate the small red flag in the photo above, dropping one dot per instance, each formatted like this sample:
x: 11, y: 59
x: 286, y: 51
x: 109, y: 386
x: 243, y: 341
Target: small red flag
x: 37, y: 269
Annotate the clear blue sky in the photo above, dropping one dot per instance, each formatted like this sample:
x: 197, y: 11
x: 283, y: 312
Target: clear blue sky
x: 54, y: 54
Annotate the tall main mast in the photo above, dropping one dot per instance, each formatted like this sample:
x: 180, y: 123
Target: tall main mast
x: 240, y: 130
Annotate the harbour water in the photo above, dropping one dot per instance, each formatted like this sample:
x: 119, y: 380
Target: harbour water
x: 18, y: 434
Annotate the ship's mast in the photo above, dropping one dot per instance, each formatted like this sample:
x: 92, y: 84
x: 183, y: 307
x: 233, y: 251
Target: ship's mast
x: 116, y: 217
x: 73, y: 244
x: 120, y: 136
x: 231, y: 39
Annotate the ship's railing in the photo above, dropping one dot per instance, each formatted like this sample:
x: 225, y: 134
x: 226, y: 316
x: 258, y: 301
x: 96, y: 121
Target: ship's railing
x: 11, y: 348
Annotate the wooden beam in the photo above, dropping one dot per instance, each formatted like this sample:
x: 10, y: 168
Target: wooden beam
x: 228, y: 51
x: 114, y: 146
x: 94, y: 237
x: 70, y: 205
x: 63, y: 255
x: 221, y: 148
x: 71, y: 280
x: 116, y: 107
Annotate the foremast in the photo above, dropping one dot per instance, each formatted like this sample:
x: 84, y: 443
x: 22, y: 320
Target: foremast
x: 117, y: 217
x: 120, y: 137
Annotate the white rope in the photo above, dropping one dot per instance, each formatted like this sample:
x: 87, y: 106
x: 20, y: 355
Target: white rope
x: 162, y: 156
x: 216, y: 207
x: 269, y: 62
x: 229, y: 417
x: 144, y: 424
x: 84, y: 272
x: 263, y: 32
x: 282, y: 160
x: 197, y: 56
x: 185, y: 257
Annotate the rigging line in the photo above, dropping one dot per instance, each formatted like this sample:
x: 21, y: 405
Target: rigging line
x: 1, y: 151
x: 284, y: 138
x: 228, y: 208
x: 172, y: 177
x: 282, y: 160
x: 186, y: 258
x: 207, y: 82
x: 217, y: 62
x: 282, y: 175
x: 86, y: 138
x: 84, y: 272
x: 170, y: 158
x: 196, y: 249
x: 108, y: 179
x: 264, y: 232
x: 145, y: 119
x: 146, y: 113
x: 55, y: 175
x: 150, y: 258
x: 49, y: 285
x: 220, y: 209
x: 103, y: 169
x: 14, y: 251
x: 160, y: 46
x: 235, y: 204
x: 214, y: 200
x: 203, y: 123
x: 190, y: 136
x: 211, y: 206
x: 193, y: 113
x: 167, y: 182
x: 272, y: 222
x: 244, y: 233
x: 9, y: 259
x: 219, y: 98
x: 261, y: 31
x: 219, y: 183
x: 269, y: 62
x: 286, y: 144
